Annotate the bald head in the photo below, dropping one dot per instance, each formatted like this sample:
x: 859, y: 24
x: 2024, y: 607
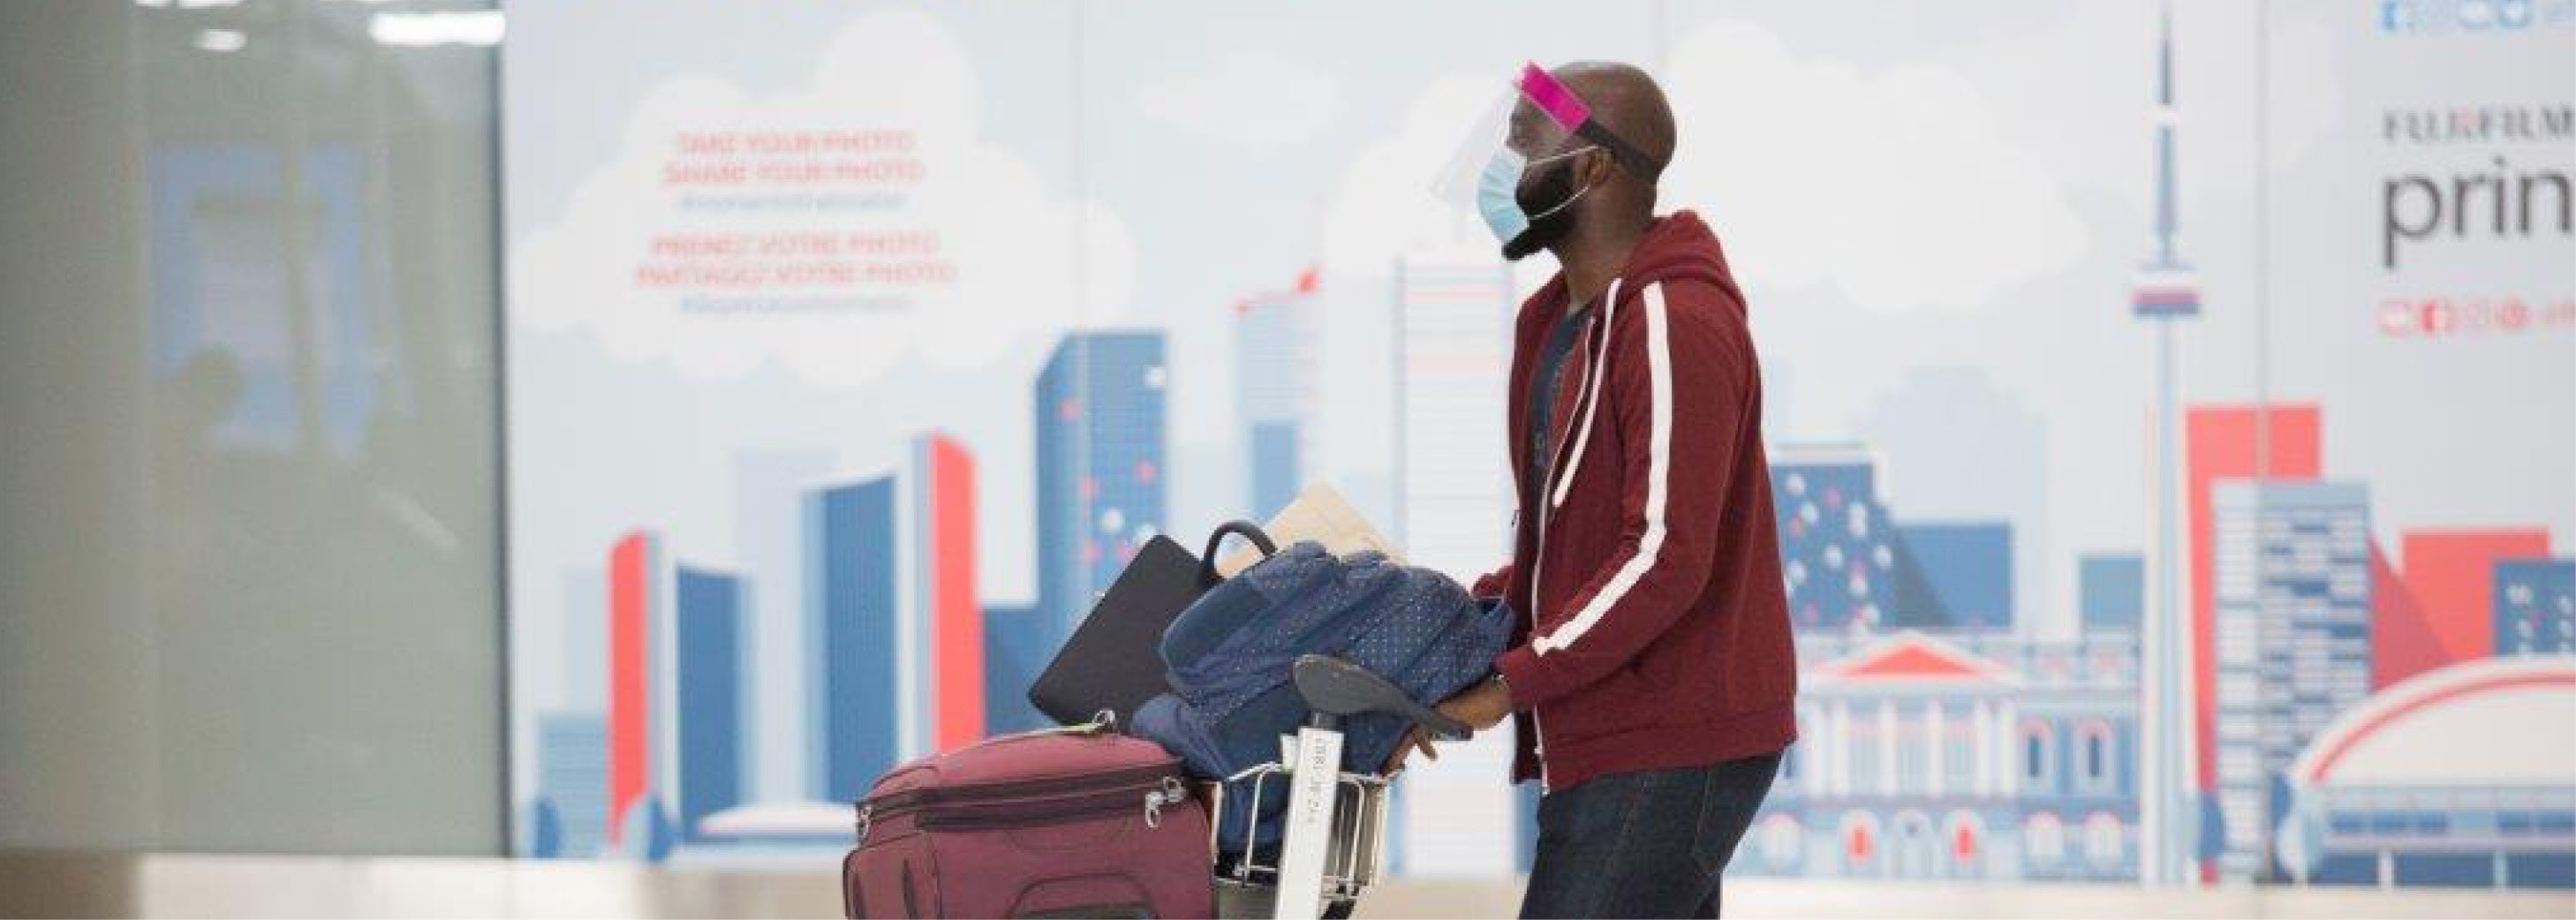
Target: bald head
x: 1626, y: 101
x: 1590, y: 194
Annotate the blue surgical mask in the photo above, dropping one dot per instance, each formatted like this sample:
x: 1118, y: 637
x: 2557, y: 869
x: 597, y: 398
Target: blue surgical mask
x: 1498, y: 193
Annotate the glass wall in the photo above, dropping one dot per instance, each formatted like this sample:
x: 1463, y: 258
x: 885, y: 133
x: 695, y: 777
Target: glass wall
x: 248, y: 396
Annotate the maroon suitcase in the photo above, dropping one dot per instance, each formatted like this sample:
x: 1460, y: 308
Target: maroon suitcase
x: 1075, y: 822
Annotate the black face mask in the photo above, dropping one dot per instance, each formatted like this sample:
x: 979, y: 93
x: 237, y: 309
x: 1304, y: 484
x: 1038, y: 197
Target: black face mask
x: 1550, y: 196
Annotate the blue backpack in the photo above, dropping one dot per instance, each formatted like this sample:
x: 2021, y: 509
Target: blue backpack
x: 1229, y: 654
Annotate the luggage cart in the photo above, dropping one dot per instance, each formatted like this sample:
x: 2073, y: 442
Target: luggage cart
x: 1333, y: 836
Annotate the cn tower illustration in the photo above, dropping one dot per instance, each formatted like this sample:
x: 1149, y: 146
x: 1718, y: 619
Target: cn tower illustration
x: 2166, y: 295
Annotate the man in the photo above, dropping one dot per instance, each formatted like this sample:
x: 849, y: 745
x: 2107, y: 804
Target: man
x: 1651, y: 682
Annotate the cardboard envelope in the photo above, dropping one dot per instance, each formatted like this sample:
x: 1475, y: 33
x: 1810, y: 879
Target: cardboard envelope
x: 1320, y: 514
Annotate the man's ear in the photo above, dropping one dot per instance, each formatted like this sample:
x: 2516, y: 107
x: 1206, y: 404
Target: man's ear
x: 1595, y: 167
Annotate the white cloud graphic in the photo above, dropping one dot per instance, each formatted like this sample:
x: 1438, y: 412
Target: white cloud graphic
x: 1255, y: 100
x: 1382, y: 206
x: 1011, y: 246
x: 1379, y: 209
x: 1895, y: 186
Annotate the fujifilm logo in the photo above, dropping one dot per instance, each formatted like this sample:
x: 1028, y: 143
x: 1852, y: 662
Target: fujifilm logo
x: 2488, y: 188
x: 2472, y: 17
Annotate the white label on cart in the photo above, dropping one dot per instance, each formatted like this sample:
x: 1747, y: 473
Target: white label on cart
x: 1308, y: 833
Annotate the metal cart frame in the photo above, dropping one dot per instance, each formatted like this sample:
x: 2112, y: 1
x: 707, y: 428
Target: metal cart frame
x: 1333, y: 836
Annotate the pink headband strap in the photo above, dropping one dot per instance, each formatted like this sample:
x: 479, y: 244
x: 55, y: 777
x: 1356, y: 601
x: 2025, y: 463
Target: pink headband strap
x: 1560, y: 104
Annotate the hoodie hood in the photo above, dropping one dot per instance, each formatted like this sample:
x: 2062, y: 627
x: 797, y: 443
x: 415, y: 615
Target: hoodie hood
x: 1677, y: 246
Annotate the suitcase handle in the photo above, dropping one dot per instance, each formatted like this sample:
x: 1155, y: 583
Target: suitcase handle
x: 1104, y: 722
x: 1245, y: 529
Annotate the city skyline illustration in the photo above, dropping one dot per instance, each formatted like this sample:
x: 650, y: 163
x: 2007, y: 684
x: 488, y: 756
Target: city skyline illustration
x: 2191, y: 658
x: 908, y: 660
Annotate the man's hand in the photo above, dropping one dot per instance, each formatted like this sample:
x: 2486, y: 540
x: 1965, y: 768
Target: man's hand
x: 1482, y: 707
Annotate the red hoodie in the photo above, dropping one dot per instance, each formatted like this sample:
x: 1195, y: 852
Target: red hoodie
x: 1657, y: 633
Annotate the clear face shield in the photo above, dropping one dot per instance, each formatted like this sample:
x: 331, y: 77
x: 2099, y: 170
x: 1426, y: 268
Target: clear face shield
x: 1536, y: 122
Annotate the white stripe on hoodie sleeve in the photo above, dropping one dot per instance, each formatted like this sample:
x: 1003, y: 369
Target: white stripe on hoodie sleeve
x: 1659, y: 466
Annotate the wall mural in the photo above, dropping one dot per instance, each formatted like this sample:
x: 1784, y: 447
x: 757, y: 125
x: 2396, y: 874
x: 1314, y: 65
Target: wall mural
x: 2172, y: 405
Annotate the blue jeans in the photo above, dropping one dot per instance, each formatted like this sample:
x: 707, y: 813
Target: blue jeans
x: 1646, y: 844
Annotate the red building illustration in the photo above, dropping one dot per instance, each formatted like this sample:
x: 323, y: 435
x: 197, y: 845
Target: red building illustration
x: 633, y: 598
x: 2279, y: 443
x: 955, y: 617
x: 2450, y: 577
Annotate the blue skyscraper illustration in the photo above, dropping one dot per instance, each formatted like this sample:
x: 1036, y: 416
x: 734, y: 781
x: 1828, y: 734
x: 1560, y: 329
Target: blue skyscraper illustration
x: 1012, y: 659
x: 2293, y: 644
x: 714, y: 765
x: 1273, y: 385
x: 2535, y: 606
x: 1100, y: 466
x: 2111, y: 589
x: 1275, y: 454
x: 768, y: 488
x: 1969, y: 566
x: 850, y: 604
x: 1846, y: 565
x: 572, y: 780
